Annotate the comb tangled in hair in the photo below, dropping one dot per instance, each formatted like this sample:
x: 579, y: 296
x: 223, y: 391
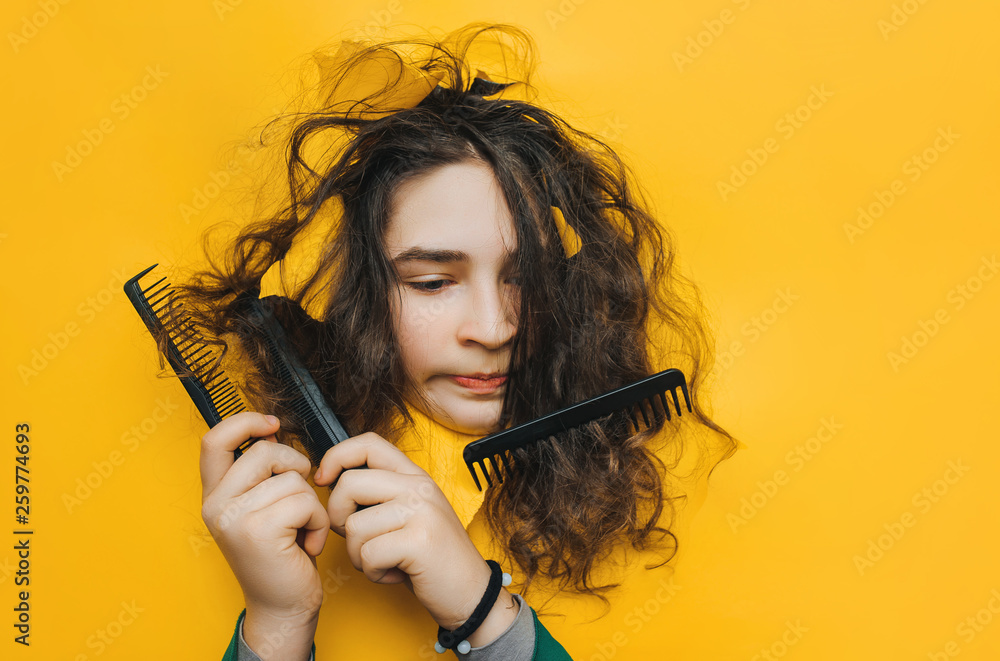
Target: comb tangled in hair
x: 198, y: 369
x: 192, y: 360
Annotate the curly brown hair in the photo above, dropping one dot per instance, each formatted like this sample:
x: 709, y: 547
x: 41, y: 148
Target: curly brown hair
x: 584, y: 325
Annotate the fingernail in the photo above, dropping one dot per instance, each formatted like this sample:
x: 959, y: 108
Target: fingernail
x: 271, y: 419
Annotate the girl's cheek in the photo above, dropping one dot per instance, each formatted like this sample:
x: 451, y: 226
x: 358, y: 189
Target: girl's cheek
x: 419, y: 316
x: 422, y: 329
x: 430, y: 313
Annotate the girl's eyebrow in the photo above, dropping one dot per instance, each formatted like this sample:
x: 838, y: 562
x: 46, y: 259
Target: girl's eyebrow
x: 443, y: 256
x: 418, y: 254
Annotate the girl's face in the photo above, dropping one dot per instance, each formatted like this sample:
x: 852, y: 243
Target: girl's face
x: 451, y: 239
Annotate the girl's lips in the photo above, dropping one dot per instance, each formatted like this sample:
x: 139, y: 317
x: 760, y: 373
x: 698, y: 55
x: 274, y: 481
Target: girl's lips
x: 482, y: 384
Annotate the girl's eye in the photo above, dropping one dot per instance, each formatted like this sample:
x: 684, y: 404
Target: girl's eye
x: 428, y: 285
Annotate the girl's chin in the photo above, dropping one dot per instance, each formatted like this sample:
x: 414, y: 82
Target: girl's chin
x: 462, y: 426
x: 476, y: 420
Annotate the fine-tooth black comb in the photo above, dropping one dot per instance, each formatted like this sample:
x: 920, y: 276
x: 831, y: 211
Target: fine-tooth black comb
x: 645, y: 398
x: 191, y: 359
x: 306, y: 403
x: 211, y: 391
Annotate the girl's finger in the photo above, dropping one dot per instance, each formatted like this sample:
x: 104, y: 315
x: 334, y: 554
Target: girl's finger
x: 370, y: 450
x: 219, y: 443
x: 274, y: 489
x: 300, y: 512
x: 371, y: 487
x: 370, y: 523
x: 263, y: 459
x: 382, y: 556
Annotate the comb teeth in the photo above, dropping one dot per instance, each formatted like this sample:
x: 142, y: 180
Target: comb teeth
x: 499, y: 470
x: 643, y: 403
x: 307, y: 403
x: 212, y: 392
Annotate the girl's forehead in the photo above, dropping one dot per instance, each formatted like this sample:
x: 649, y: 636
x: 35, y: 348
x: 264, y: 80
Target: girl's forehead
x: 458, y: 206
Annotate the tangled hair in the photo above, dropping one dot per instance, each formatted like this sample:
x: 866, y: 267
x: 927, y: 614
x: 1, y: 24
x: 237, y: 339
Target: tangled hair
x: 584, y: 322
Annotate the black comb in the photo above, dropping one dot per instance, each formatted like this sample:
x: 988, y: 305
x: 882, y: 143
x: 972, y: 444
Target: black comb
x: 191, y: 359
x: 307, y: 403
x: 210, y: 389
x: 645, y: 399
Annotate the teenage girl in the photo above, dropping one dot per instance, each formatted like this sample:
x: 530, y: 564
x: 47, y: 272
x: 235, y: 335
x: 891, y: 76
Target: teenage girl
x: 480, y: 263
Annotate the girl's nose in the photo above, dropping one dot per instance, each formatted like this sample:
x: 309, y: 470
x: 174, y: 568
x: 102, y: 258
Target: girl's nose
x: 490, y: 318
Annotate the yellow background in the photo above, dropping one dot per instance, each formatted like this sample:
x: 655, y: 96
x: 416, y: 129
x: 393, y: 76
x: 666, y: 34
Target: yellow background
x: 792, y: 559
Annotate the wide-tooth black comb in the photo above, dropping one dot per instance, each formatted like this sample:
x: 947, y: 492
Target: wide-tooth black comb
x: 191, y: 359
x: 307, y: 403
x: 645, y: 399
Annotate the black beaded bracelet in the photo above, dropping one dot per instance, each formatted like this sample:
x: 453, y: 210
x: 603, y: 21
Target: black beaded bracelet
x: 456, y: 639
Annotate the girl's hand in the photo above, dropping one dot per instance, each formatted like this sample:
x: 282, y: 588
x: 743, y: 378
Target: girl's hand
x: 270, y: 525
x: 408, y: 532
